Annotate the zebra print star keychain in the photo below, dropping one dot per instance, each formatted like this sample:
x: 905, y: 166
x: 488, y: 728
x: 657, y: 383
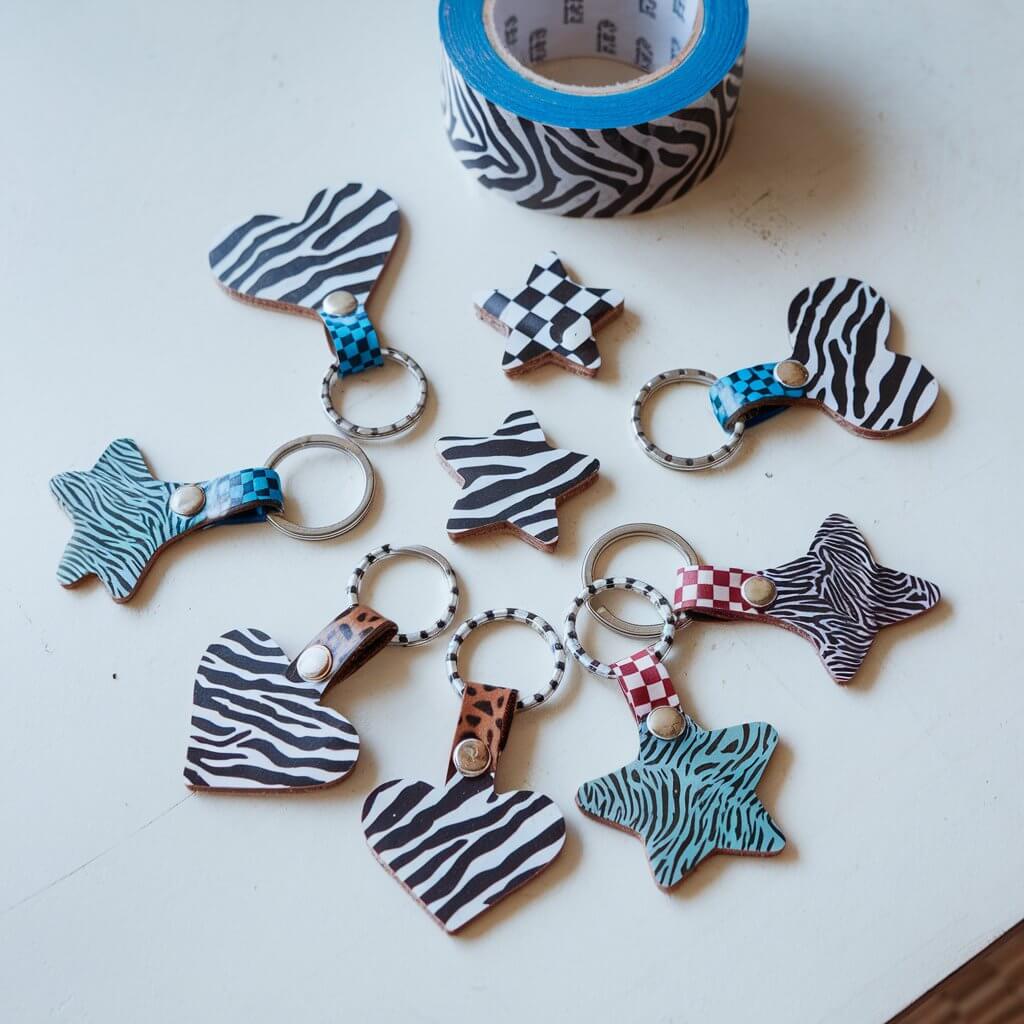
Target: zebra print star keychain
x: 124, y: 517
x: 690, y: 792
x: 836, y: 595
x: 324, y: 265
x: 258, y: 721
x: 460, y: 848
x: 840, y: 361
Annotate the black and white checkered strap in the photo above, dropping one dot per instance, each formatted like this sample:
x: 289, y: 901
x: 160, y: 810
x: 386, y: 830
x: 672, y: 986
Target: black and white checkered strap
x: 538, y: 624
x: 421, y: 636
x: 660, y: 602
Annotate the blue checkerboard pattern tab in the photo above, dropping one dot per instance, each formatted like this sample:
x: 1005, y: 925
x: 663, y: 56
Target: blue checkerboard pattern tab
x: 260, y: 487
x: 735, y: 393
x: 354, y: 339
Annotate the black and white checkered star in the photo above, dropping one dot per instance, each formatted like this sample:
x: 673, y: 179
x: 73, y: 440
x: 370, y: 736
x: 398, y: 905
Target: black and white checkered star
x: 552, y: 319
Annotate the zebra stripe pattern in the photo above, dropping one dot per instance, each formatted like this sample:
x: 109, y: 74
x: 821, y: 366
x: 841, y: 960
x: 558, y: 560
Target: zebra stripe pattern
x: 462, y: 848
x: 690, y: 797
x: 836, y: 596
x: 123, y: 518
x: 583, y: 173
x: 341, y: 242
x: 513, y: 479
x: 255, y: 729
x: 840, y: 332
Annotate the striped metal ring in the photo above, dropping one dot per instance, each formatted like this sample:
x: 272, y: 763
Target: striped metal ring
x: 685, y: 463
x: 420, y: 636
x: 346, y: 426
x: 539, y: 625
x: 658, y: 650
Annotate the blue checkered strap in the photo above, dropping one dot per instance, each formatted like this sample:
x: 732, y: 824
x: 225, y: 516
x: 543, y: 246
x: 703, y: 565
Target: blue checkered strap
x: 354, y: 340
x: 245, y: 496
x: 734, y: 396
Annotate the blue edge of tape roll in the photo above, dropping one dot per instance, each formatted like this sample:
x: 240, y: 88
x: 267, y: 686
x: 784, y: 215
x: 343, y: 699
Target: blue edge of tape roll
x: 722, y: 38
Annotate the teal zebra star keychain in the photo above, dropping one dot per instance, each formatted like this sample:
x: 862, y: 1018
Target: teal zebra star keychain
x: 690, y: 792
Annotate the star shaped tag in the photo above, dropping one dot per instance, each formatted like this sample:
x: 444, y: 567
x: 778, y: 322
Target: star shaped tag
x: 513, y: 480
x: 124, y: 517
x: 552, y: 319
x: 836, y: 596
x: 690, y: 792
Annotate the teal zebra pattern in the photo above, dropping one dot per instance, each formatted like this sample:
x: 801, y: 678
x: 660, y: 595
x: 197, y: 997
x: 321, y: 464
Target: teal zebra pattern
x: 690, y: 797
x: 122, y: 516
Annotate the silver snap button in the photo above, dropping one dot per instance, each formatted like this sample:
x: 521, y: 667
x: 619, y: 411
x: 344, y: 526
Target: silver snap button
x: 791, y: 373
x: 315, y: 663
x: 666, y: 723
x: 758, y: 591
x: 340, y: 303
x: 187, y: 500
x: 471, y: 757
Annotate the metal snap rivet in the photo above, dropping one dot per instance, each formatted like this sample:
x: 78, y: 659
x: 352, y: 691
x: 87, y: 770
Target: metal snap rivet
x: 758, y: 591
x: 187, y: 500
x: 340, y: 303
x: 666, y: 723
x: 791, y: 373
x: 315, y: 663
x: 471, y: 757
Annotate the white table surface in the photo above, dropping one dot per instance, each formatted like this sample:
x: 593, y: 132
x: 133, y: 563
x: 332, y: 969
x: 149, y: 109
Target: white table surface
x: 874, y: 139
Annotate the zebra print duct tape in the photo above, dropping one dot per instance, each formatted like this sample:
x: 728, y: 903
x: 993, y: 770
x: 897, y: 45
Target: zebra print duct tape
x: 591, y: 151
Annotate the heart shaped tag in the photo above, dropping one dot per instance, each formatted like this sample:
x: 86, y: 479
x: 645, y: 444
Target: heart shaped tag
x: 341, y: 242
x: 252, y: 728
x: 462, y: 848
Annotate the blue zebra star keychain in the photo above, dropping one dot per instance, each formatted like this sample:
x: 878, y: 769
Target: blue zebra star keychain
x: 690, y: 792
x: 840, y: 361
x: 324, y: 265
x: 124, y: 517
x: 460, y: 848
x: 259, y: 723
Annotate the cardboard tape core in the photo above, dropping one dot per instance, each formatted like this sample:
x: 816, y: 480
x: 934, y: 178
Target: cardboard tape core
x: 653, y: 36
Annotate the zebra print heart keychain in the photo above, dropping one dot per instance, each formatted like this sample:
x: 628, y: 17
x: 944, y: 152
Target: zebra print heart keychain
x: 840, y: 361
x: 258, y: 721
x: 836, y: 596
x: 690, y: 792
x: 324, y: 265
x: 124, y: 517
x: 460, y: 848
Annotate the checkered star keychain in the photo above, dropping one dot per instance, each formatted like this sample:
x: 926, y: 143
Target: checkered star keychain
x: 124, y: 517
x: 324, y: 265
x: 551, y: 320
x: 690, y: 792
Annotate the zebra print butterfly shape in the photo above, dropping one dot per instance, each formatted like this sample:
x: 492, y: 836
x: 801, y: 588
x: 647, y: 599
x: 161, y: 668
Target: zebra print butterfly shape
x: 258, y: 723
x: 461, y: 848
x: 341, y: 242
x: 688, y: 797
x: 841, y: 361
x: 836, y: 596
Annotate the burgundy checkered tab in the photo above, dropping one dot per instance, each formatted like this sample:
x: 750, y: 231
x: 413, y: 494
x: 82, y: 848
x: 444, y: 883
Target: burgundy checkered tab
x: 645, y: 683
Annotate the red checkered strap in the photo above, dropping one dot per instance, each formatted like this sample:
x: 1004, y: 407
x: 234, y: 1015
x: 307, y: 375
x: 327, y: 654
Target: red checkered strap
x: 645, y: 683
x: 710, y: 590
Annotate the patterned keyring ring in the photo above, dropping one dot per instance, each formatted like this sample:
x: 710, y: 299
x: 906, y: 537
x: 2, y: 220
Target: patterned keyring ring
x: 658, y: 650
x: 659, y: 455
x: 603, y: 543
x: 535, y: 622
x: 280, y: 522
x: 372, y: 433
x: 421, y: 636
